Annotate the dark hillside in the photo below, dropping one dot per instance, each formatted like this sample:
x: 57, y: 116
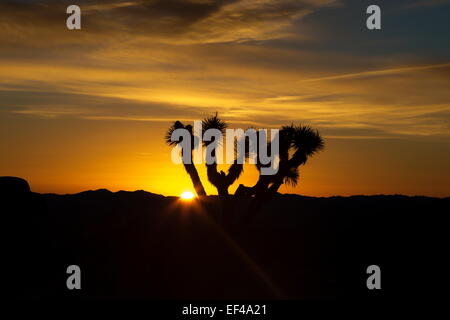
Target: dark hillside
x: 142, y: 245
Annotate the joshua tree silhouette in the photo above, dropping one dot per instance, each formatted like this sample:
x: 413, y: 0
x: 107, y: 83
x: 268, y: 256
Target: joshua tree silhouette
x: 220, y: 180
x: 189, y: 167
x: 297, y: 144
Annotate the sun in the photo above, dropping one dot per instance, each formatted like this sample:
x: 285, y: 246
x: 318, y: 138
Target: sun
x: 187, y: 196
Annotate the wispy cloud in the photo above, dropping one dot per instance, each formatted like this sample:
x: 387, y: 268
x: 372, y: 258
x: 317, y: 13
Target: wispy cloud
x: 164, y: 21
x: 384, y: 72
x: 152, y: 76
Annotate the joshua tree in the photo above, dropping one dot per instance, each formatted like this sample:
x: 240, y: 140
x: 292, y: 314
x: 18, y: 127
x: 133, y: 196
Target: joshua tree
x: 189, y: 167
x: 221, y: 180
x: 304, y: 143
x: 297, y: 144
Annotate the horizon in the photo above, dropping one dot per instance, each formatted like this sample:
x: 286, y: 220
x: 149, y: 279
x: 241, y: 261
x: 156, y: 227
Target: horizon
x: 215, y: 195
x: 86, y: 108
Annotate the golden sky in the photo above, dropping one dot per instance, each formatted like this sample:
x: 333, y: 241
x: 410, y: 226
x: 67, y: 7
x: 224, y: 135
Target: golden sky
x: 88, y: 109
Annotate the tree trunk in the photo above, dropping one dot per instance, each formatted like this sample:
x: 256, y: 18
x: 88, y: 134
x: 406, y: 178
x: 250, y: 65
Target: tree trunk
x: 275, y: 186
x: 192, y: 171
x: 222, y: 190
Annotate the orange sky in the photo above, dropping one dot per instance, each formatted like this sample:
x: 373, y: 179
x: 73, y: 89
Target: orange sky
x: 88, y: 109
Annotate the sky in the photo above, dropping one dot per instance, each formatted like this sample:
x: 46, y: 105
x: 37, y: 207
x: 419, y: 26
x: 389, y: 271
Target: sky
x: 88, y: 109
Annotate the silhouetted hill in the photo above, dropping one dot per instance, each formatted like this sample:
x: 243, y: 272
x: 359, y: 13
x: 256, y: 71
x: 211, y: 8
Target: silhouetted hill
x: 143, y: 245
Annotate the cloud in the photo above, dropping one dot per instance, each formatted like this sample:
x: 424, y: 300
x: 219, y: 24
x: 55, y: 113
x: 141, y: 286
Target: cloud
x: 162, y: 60
x: 164, y: 21
x: 407, y: 100
x: 384, y: 72
x: 48, y: 104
